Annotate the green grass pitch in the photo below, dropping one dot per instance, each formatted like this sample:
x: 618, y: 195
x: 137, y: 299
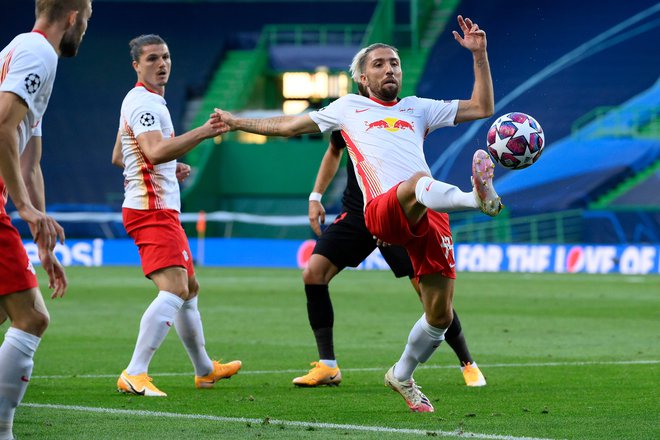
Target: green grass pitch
x: 565, y: 357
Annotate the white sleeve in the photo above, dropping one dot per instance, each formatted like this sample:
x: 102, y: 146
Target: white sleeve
x: 329, y: 117
x: 440, y: 113
x: 144, y: 118
x: 26, y: 75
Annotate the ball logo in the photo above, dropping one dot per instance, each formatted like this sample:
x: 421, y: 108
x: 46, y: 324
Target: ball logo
x: 390, y: 124
x: 147, y: 119
x: 32, y: 83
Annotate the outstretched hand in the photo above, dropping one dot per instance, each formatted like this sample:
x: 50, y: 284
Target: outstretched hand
x: 473, y: 39
x: 224, y: 120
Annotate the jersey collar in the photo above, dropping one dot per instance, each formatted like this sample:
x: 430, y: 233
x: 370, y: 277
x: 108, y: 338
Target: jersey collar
x: 140, y: 84
x: 386, y: 104
x: 37, y: 31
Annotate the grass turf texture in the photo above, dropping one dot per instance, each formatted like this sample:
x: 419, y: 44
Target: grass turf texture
x: 529, y: 334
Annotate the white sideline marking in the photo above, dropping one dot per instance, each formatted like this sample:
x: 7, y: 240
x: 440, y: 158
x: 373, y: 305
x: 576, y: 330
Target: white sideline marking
x: 278, y: 422
x: 421, y: 367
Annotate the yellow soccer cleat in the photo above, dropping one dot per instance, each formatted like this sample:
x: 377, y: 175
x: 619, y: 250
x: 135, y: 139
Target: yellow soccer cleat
x: 220, y: 371
x: 473, y: 376
x: 319, y: 375
x: 140, y: 385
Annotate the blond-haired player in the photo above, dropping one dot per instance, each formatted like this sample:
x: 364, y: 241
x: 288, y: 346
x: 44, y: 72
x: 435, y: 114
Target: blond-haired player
x: 27, y: 72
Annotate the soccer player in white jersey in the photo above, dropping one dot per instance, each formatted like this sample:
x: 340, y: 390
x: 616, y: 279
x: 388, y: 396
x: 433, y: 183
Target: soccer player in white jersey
x: 27, y: 72
x: 403, y: 204
x: 147, y: 149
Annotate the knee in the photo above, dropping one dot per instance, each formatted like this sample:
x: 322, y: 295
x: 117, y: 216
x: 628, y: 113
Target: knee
x: 415, y: 178
x: 34, y: 323
x: 314, y: 275
x: 193, y: 288
x: 440, y: 319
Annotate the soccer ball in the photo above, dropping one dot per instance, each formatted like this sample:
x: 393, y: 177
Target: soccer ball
x: 515, y: 140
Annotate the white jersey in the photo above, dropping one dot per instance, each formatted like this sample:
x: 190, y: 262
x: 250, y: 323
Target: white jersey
x: 385, y: 141
x: 27, y: 68
x: 146, y: 186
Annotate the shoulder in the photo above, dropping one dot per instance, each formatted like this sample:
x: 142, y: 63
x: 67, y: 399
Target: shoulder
x: 33, y: 49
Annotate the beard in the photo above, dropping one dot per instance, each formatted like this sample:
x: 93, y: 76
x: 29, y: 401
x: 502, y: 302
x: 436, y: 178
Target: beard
x: 71, y: 41
x: 385, y: 92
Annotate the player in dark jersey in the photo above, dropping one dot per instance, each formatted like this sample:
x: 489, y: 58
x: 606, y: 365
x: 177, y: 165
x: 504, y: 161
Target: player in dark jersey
x: 346, y: 243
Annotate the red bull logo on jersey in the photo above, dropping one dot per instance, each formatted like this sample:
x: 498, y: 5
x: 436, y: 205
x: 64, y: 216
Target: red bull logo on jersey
x: 390, y: 124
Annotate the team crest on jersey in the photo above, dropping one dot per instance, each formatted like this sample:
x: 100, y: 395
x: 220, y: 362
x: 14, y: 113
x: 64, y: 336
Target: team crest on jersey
x: 390, y: 124
x: 32, y: 83
x: 147, y: 119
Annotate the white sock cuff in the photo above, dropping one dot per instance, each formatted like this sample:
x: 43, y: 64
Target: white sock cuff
x: 23, y: 341
x: 436, y: 333
x: 191, y: 303
x: 171, y: 299
x: 421, y: 186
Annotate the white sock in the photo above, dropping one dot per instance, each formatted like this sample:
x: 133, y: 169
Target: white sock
x: 154, y: 326
x: 332, y: 363
x: 422, y: 342
x: 473, y: 364
x: 188, y: 325
x: 16, y: 354
x: 443, y: 197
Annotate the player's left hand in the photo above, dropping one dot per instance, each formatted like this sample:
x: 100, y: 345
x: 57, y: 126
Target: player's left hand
x: 474, y: 39
x: 56, y: 275
x: 316, y: 216
x: 182, y: 171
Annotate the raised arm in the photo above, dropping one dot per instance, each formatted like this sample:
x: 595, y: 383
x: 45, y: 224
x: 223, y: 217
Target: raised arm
x: 286, y: 126
x: 327, y: 170
x: 160, y: 150
x: 482, y: 102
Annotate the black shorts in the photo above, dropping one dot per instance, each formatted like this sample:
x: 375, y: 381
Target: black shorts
x: 347, y: 242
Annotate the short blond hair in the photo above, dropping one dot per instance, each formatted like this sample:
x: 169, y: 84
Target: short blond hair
x: 54, y: 10
x: 357, y: 65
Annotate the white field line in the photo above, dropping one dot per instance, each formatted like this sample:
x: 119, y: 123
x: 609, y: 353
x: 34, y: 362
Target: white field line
x: 316, y: 425
x: 421, y: 367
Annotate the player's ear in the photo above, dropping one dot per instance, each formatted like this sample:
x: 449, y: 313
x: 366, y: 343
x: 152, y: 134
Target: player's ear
x: 135, y: 66
x: 71, y: 18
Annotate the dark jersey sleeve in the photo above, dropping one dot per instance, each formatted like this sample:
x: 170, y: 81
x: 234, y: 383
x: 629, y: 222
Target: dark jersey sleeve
x: 352, y: 200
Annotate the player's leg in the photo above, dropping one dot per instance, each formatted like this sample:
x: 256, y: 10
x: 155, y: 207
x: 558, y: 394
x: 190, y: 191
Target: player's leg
x: 443, y: 197
x: 425, y: 337
x: 345, y: 243
x: 316, y: 277
x: 29, y: 318
x: 188, y: 325
x: 172, y: 284
x: 456, y: 340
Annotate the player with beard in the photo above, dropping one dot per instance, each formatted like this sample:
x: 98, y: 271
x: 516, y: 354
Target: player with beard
x: 403, y: 204
x: 346, y: 243
x: 147, y: 149
x: 27, y: 72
